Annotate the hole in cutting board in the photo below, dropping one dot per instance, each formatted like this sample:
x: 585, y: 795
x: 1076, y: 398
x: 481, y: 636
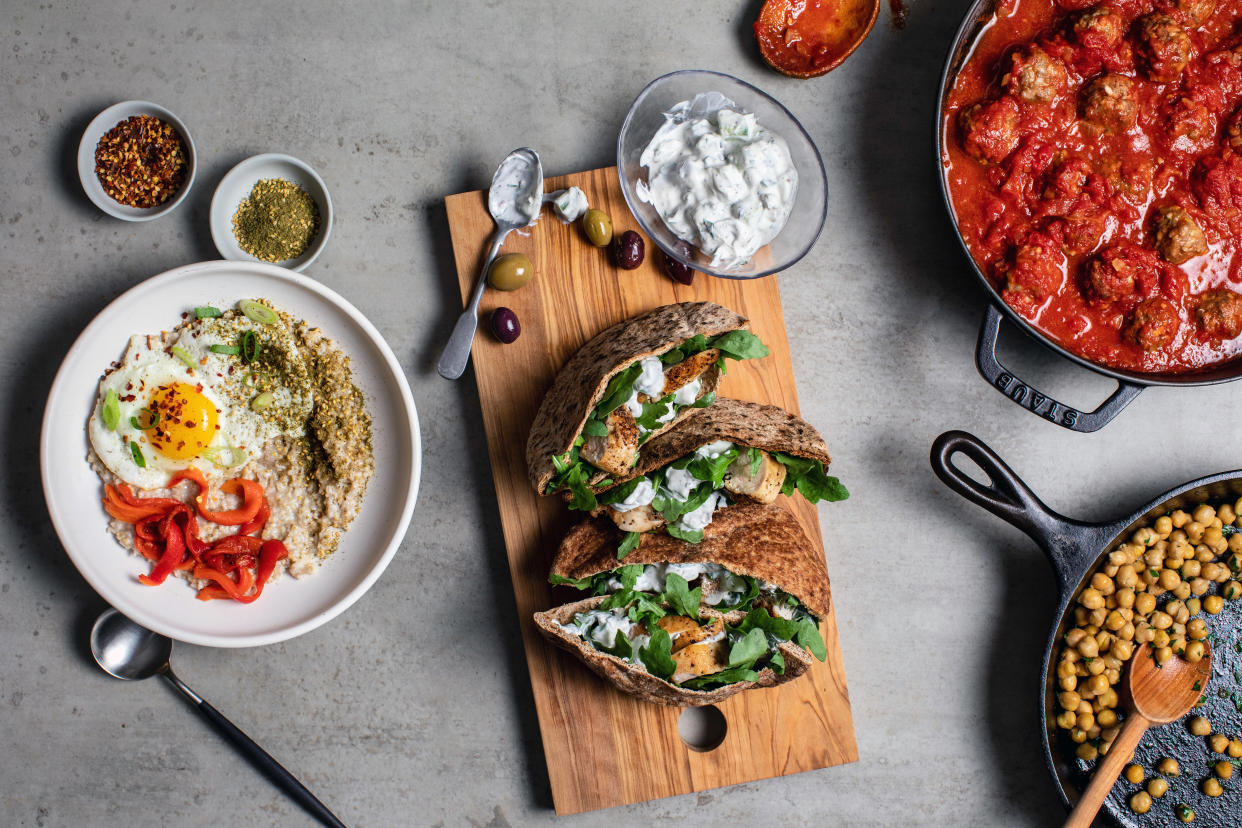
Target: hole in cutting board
x: 702, y: 728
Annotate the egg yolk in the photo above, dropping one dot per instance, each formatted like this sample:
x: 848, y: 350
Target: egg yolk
x: 185, y: 421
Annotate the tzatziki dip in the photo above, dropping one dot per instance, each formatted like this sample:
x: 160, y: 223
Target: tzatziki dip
x: 719, y: 179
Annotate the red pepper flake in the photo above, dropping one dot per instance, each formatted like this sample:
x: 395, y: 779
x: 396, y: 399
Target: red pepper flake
x: 141, y: 162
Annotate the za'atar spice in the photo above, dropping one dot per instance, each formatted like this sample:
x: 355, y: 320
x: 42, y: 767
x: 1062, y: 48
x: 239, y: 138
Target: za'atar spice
x: 277, y: 221
x: 141, y: 162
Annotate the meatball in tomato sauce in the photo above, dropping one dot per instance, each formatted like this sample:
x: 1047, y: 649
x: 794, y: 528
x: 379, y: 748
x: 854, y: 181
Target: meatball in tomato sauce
x: 1153, y: 324
x: 1035, y: 76
x: 1110, y: 103
x: 1035, y: 272
x: 1192, y: 13
x: 1217, y: 182
x: 1164, y: 47
x: 1178, y: 236
x: 1121, y: 271
x: 1219, y: 313
x: 990, y: 130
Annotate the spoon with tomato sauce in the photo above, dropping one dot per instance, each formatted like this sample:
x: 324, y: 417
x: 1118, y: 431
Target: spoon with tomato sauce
x: 808, y: 38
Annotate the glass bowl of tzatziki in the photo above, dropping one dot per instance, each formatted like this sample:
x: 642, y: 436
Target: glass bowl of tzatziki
x: 720, y: 175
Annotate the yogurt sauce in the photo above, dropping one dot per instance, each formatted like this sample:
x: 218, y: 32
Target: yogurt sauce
x: 569, y: 204
x: 516, y: 193
x: 718, y: 179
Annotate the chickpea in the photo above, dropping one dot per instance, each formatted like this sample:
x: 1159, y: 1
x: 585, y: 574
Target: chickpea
x: 1181, y: 548
x: 1065, y: 668
x: 1235, y: 542
x: 1134, y: 774
x: 1161, y: 638
x: 1108, y: 699
x: 1191, y: 569
x: 1095, y: 618
x: 1203, y: 513
x: 1194, y: 606
x: 1200, y: 586
x: 1086, y: 721
x: 1126, y: 576
x: 1114, y: 621
x: 1226, y: 513
x: 1121, y: 650
x: 1126, y: 633
x: 1163, y: 526
x: 1194, y: 531
x: 1169, y: 579
x: 1069, y: 700
x: 1080, y: 616
x: 1157, y: 787
x: 1223, y: 769
x: 1199, y: 726
x: 1179, y: 518
x: 1160, y: 620
x: 1203, y: 553
x: 1103, y: 584
x: 1091, y: 598
x: 1107, y: 717
x: 1067, y: 720
x: 1140, y: 803
x: 1168, y: 767
x: 1163, y: 654
x: 1213, y: 604
x: 1232, y: 590
x: 1113, y: 676
x: 1068, y: 682
x: 1218, y: 743
x: 1097, y: 685
x: 1088, y: 647
x: 1087, y: 752
x: 1195, y: 651
x: 1212, y: 787
x: 1235, y: 749
x: 1197, y: 629
x: 1182, y: 590
x: 1184, y: 813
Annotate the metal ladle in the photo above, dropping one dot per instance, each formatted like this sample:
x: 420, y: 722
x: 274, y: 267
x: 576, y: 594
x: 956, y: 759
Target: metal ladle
x: 132, y: 652
x: 514, y: 200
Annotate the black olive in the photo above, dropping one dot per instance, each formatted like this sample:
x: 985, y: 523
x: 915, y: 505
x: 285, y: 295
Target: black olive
x: 674, y: 269
x: 505, y: 325
x: 627, y: 250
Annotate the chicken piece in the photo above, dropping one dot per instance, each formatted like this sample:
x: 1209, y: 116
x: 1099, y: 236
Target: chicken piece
x: 686, y: 631
x: 638, y: 519
x: 763, y: 486
x: 698, y: 660
x: 1178, y: 237
x: 688, y: 370
x: 616, y: 451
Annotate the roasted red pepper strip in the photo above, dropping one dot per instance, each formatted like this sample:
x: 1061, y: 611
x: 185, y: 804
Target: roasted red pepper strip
x: 174, y: 554
x: 258, y: 522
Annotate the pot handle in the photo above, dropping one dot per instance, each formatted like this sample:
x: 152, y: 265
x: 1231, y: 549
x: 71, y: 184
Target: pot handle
x: 1003, y: 380
x: 1068, y: 543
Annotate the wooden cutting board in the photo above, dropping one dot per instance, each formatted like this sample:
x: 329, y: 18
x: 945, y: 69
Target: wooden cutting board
x: 604, y: 748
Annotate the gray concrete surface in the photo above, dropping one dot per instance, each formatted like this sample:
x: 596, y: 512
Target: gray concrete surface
x: 414, y: 707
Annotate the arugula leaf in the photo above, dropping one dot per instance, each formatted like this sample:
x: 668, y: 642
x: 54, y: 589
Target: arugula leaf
x: 687, y: 535
x: 759, y: 619
x: 689, y: 348
x: 618, y: 391
x: 678, y: 595
x: 748, y: 649
x: 632, y: 539
x: 744, y: 602
x: 777, y: 663
x: 619, y: 493
x: 809, y: 638
x: 705, y: 400
x: 672, y: 509
x: 621, y: 647
x: 724, y: 677
x: 595, y: 428
x: 657, y: 656
x: 712, y: 469
x: 579, y: 583
x: 807, y: 476
x: 755, y: 456
x: 740, y: 345
x: 653, y: 410
x: 628, y: 575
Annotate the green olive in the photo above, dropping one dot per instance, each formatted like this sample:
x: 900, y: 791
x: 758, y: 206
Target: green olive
x: 510, y: 271
x: 598, y: 227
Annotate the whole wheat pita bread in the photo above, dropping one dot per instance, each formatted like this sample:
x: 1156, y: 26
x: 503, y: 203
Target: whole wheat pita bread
x: 748, y: 424
x: 581, y: 383
x: 633, y: 679
x: 762, y: 541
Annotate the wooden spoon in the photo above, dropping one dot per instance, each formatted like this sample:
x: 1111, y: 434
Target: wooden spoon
x: 1157, y: 695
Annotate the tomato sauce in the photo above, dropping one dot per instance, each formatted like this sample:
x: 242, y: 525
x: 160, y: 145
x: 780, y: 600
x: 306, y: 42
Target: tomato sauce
x: 1093, y: 155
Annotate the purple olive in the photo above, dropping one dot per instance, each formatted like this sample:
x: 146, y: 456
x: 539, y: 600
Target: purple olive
x: 627, y: 250
x: 674, y: 269
x: 505, y: 325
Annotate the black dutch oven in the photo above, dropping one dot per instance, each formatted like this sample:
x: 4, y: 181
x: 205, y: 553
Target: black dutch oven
x: 1129, y: 383
x: 1076, y: 551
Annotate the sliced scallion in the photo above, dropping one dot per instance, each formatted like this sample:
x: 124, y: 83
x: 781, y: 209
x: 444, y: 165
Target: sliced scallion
x: 262, y: 401
x: 258, y: 312
x: 183, y: 355
x: 207, y: 312
x: 110, y: 411
x: 146, y: 419
x: 226, y: 457
x: 136, y: 453
x: 227, y: 350
x: 249, y: 346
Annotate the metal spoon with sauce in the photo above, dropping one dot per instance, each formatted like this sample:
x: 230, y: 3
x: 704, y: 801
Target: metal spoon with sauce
x: 132, y: 652
x: 514, y: 201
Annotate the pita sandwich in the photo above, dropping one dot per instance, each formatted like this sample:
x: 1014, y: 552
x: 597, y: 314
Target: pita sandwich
x: 730, y: 452
x: 691, y: 624
x: 629, y: 384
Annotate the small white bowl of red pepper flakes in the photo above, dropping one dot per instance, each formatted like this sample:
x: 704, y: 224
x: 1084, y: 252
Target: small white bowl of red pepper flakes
x: 136, y: 161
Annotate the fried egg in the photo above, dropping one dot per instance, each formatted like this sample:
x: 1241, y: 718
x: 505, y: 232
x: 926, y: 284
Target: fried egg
x: 198, y: 402
x: 165, y: 416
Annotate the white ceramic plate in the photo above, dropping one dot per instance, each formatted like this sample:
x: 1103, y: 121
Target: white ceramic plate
x: 289, y: 607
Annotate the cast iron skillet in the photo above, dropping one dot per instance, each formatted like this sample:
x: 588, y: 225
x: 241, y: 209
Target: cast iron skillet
x: 1076, y: 550
x: 1129, y: 383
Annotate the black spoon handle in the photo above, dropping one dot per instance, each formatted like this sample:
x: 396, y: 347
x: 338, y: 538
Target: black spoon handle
x: 259, y: 757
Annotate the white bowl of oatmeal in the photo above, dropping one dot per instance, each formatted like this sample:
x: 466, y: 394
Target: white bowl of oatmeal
x: 289, y: 605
